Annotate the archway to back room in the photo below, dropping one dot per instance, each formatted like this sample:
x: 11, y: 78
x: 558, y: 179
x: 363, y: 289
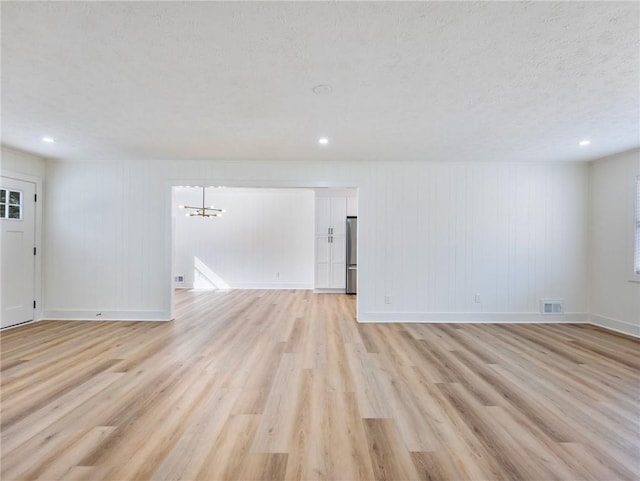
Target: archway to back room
x: 266, y: 238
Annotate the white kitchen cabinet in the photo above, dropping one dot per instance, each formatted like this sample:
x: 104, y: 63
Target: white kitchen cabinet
x: 331, y: 218
x: 338, y: 262
x: 332, y: 208
x: 331, y: 215
x: 323, y: 263
x: 330, y: 262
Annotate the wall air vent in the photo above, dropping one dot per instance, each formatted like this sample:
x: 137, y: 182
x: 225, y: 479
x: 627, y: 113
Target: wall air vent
x: 551, y: 306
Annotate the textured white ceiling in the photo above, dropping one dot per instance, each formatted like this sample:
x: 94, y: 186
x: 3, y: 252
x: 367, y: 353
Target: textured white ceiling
x: 506, y: 81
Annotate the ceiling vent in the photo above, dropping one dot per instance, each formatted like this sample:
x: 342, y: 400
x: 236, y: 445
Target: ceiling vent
x: 551, y: 306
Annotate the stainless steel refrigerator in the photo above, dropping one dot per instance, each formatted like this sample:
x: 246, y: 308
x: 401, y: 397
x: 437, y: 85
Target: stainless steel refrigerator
x: 352, y: 255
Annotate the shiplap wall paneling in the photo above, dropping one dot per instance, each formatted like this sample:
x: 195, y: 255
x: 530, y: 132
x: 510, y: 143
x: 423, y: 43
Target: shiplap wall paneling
x: 432, y: 234
x: 513, y: 234
x: 264, y: 240
x: 104, y: 237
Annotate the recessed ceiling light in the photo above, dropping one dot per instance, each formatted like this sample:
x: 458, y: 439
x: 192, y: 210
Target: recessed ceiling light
x: 322, y: 89
x: 323, y: 141
x: 49, y: 140
x: 584, y: 143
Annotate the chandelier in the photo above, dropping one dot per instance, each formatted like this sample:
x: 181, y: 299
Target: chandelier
x: 203, y: 211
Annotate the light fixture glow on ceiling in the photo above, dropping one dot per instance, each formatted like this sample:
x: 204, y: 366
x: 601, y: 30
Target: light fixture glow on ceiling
x: 323, y: 141
x: 322, y: 89
x: 49, y: 140
x: 584, y: 143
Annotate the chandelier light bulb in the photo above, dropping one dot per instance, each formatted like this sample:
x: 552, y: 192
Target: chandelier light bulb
x: 202, y: 211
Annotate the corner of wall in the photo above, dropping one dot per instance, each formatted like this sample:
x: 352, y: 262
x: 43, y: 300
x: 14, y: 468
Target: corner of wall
x: 613, y: 300
x: 614, y: 325
x: 589, y: 237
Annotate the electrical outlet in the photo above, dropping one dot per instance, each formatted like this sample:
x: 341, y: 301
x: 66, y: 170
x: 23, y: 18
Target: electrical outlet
x: 387, y: 299
x: 477, y: 298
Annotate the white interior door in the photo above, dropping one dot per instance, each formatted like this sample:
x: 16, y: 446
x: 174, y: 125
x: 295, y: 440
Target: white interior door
x: 17, y: 219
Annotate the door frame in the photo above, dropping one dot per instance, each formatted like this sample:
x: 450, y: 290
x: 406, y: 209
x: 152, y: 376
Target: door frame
x: 38, y: 228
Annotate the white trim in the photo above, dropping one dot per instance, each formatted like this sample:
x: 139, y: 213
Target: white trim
x: 380, y: 317
x: 251, y: 285
x: 265, y: 183
x: 328, y: 291
x: 335, y: 191
x: 615, y: 325
x: 13, y: 326
x: 169, y: 237
x: 106, y: 315
x: 475, y: 317
x: 269, y: 285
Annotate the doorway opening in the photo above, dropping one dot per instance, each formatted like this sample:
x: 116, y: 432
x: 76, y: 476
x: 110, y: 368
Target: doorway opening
x: 263, y: 240
x: 266, y: 238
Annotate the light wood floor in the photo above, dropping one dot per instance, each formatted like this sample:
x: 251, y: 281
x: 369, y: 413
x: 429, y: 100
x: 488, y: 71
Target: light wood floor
x: 286, y: 385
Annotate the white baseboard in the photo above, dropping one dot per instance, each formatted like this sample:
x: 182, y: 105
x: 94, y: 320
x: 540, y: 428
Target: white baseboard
x: 271, y: 285
x: 475, y: 317
x: 328, y: 291
x: 105, y: 315
x: 370, y: 317
x: 19, y: 325
x: 254, y: 285
x: 615, y: 325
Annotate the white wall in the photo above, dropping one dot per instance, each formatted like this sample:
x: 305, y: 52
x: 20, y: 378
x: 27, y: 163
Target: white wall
x: 615, y: 299
x: 21, y: 163
x: 432, y: 235
x: 263, y: 241
x: 513, y: 234
x: 30, y: 168
x: 108, y: 242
